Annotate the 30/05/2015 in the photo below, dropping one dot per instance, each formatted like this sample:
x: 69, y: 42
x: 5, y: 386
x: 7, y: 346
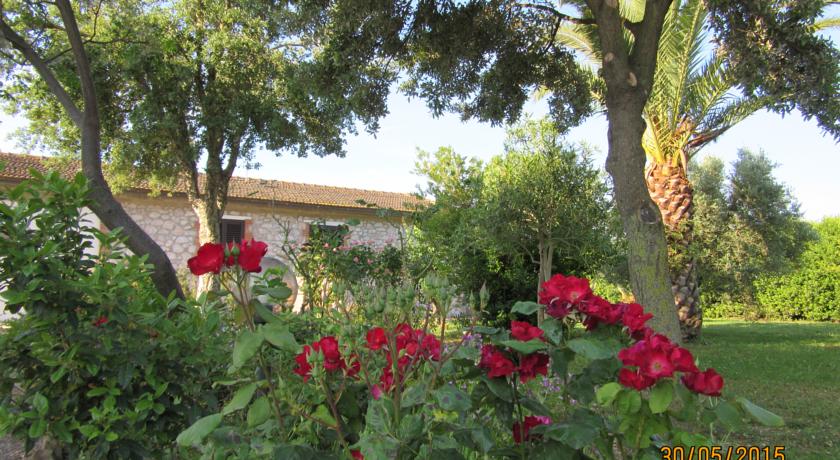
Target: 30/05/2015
x: 723, y: 453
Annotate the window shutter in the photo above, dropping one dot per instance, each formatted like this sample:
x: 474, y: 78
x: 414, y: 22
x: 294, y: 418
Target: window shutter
x: 232, y: 231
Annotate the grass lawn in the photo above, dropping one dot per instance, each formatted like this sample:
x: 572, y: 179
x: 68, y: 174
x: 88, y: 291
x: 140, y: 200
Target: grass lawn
x: 792, y: 369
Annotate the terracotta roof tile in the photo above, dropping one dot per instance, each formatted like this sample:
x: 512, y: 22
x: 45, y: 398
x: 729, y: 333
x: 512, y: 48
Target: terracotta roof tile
x: 17, y: 168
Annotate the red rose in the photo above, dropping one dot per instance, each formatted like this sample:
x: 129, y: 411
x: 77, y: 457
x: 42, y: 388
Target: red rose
x: 520, y: 330
x: 303, y: 367
x: 430, y: 347
x: 633, y: 379
x: 100, y: 321
x: 328, y: 346
x: 405, y: 335
x: 634, y: 317
x: 683, y: 360
x: 376, y: 392
x: 209, y: 259
x: 531, y: 365
x: 521, y: 430
x: 376, y: 338
x: 599, y: 311
x: 561, y: 293
x: 486, y: 354
x: 387, y: 379
x: 708, y: 383
x: 357, y: 455
x: 251, y: 254
x: 497, y: 364
x: 657, y: 365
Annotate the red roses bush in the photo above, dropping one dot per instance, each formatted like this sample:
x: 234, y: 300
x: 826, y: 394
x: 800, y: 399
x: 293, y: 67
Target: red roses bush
x: 211, y: 257
x: 390, y: 400
x: 651, y: 358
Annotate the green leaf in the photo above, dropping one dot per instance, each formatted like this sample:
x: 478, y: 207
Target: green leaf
x: 729, y: 415
x: 411, y: 426
x: 628, y: 402
x: 414, y: 395
x: 279, y: 336
x: 40, y: 403
x: 607, y: 393
x: 58, y: 374
x: 240, y: 399
x: 526, y: 348
x: 482, y: 438
x: 593, y: 348
x: 198, y: 430
x: 760, y: 414
x: 560, y: 359
x: 37, y: 429
x: 246, y: 345
x: 111, y: 436
x: 323, y: 414
x: 486, y: 330
x: 553, y: 330
x: 277, y: 293
x: 98, y: 391
x: 451, y: 398
x: 264, y: 313
x: 525, y: 308
x: 259, y: 412
x: 661, y: 396
x: 379, y: 446
x: 499, y: 387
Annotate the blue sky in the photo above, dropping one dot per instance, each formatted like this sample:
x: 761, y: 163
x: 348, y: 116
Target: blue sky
x: 809, y: 162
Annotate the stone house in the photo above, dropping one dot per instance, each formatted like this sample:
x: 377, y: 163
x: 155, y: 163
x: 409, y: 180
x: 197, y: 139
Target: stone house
x: 257, y: 208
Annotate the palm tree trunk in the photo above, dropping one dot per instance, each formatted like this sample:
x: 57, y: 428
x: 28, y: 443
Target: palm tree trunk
x: 672, y: 192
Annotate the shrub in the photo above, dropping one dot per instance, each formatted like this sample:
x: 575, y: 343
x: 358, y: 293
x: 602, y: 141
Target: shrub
x: 812, y: 290
x: 97, y: 360
x: 390, y: 382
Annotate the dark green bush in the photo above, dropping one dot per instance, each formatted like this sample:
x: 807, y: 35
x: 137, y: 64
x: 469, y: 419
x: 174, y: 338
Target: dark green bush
x: 96, y: 360
x: 812, y: 291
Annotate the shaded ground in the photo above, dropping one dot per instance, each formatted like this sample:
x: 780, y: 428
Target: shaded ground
x: 10, y: 449
x: 792, y: 369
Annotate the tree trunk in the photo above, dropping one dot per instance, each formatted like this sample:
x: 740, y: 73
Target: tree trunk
x: 546, y: 254
x: 628, y: 74
x: 209, y: 216
x: 104, y: 205
x: 646, y: 246
x: 672, y: 192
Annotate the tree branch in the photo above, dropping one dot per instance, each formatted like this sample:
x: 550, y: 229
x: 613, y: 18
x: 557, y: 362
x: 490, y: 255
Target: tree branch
x: 20, y: 44
x: 643, y: 57
x: 557, y: 14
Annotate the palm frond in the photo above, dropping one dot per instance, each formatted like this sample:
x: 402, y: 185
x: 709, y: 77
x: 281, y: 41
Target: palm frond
x: 827, y: 23
x: 580, y: 38
x: 679, y: 58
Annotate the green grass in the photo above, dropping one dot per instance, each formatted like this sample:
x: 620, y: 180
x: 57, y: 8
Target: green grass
x: 792, y: 369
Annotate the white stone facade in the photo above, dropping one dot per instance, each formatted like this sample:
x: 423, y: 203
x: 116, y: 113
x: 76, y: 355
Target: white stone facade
x: 171, y: 222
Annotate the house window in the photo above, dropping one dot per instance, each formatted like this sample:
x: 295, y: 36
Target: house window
x: 328, y: 232
x: 232, y: 230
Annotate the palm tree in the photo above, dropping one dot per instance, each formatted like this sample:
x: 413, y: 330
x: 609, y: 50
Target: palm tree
x: 693, y: 101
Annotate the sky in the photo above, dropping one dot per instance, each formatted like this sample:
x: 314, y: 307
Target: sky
x: 808, y: 161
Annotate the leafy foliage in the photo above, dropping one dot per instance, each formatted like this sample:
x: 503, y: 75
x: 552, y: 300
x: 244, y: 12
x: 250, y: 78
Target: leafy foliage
x: 746, y: 224
x: 96, y: 359
x: 812, y: 290
x: 487, y: 222
x: 775, y: 53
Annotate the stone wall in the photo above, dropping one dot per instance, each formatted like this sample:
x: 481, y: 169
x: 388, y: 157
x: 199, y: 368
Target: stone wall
x: 171, y: 222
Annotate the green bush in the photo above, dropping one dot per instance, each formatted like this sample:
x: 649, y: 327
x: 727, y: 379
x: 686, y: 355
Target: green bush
x: 812, y: 291
x: 97, y: 360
